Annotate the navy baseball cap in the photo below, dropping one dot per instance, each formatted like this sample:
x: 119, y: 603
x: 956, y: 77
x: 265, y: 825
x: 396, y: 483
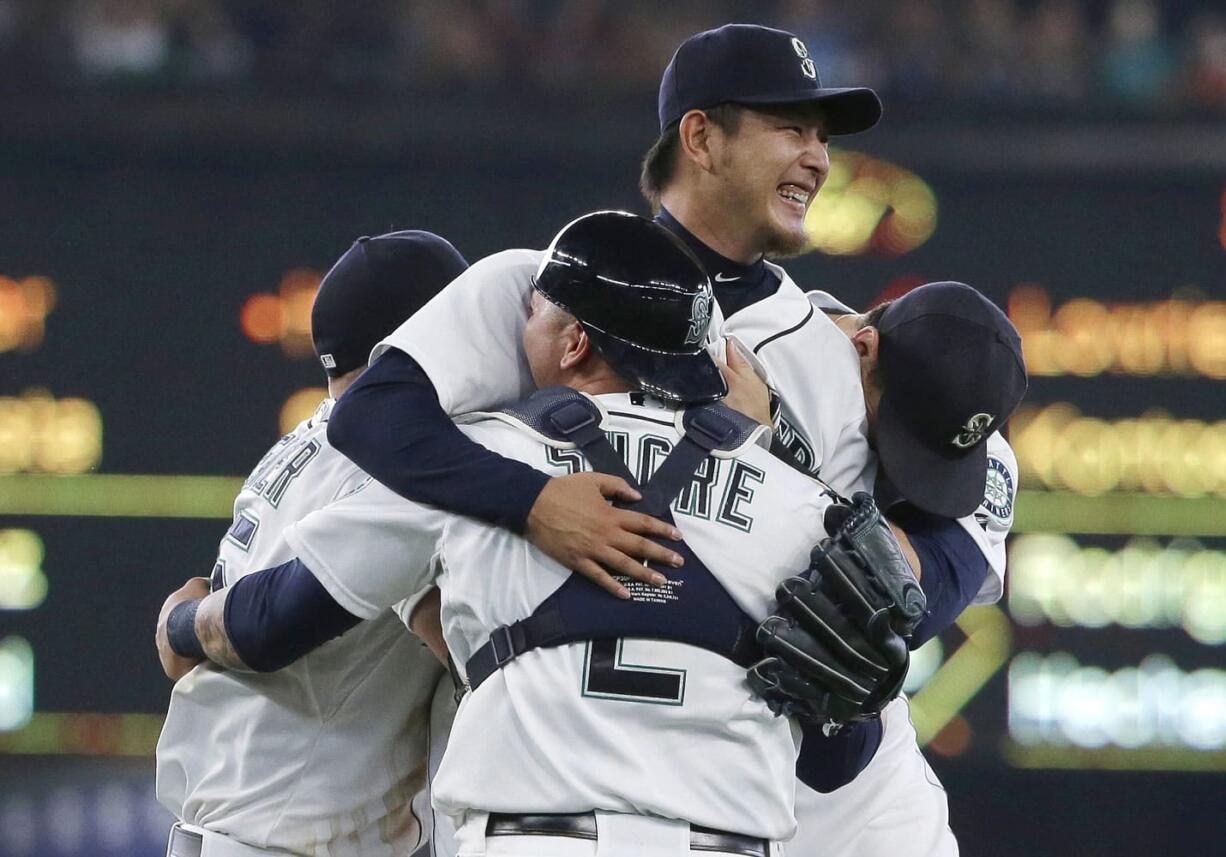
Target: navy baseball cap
x: 952, y: 373
x: 372, y: 289
x: 750, y: 64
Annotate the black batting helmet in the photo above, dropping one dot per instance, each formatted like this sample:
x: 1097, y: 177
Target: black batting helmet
x: 643, y: 299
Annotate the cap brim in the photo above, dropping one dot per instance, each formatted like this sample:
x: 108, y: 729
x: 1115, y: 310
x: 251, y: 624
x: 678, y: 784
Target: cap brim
x: 949, y: 486
x: 846, y: 110
x: 686, y: 378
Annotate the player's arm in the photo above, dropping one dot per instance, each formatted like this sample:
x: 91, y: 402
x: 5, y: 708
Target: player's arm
x: 353, y: 559
x: 265, y: 621
x: 963, y: 560
x: 391, y: 423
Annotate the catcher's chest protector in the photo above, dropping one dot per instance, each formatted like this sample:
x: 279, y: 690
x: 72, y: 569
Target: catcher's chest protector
x: 694, y: 608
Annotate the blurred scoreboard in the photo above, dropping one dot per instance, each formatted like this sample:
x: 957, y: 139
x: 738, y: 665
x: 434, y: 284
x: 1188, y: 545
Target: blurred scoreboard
x: 134, y: 398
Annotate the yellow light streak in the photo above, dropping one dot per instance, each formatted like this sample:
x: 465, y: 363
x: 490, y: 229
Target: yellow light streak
x: 968, y: 669
x: 84, y: 734
x: 1111, y: 758
x: 120, y: 496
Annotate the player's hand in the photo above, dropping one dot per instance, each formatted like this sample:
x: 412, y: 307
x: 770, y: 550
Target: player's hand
x: 173, y: 664
x: 747, y: 392
x: 573, y: 522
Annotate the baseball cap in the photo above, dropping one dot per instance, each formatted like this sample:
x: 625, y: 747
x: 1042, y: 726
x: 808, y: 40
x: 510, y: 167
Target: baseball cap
x: 377, y: 284
x: 952, y: 372
x: 751, y: 64
x: 643, y: 299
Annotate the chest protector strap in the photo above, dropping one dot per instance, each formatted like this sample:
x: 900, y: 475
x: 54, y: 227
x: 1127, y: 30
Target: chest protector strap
x: 693, y: 608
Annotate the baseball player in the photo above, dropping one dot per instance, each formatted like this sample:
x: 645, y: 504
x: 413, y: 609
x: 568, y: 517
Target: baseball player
x: 324, y: 757
x: 592, y: 725
x: 742, y: 151
x: 912, y: 350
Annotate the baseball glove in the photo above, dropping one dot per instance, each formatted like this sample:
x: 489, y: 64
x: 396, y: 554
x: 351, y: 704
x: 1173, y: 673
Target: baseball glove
x: 836, y: 643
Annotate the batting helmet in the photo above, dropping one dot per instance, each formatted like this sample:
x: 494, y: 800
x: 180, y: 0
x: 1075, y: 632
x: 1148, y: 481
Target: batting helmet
x: 643, y: 299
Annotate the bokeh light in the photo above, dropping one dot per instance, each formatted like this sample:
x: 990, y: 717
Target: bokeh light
x: 24, y: 307
x: 299, y: 406
x: 42, y: 434
x: 1185, y: 335
x: 1144, y: 584
x: 1059, y: 448
x: 869, y: 205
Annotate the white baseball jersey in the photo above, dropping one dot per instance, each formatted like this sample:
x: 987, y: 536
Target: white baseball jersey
x: 468, y: 341
x: 322, y: 757
x: 546, y: 733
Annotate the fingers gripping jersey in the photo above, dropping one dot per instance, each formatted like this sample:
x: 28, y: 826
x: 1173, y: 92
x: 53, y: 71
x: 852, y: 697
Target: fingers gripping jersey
x: 638, y: 725
x: 322, y: 757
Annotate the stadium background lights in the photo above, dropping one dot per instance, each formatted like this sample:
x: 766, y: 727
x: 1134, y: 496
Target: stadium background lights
x: 1143, y: 584
x: 1059, y: 448
x: 1054, y: 700
x: 16, y: 683
x: 1185, y: 335
x: 24, y: 306
x: 299, y: 406
x: 868, y: 205
x: 42, y: 434
x: 23, y: 586
x: 284, y: 317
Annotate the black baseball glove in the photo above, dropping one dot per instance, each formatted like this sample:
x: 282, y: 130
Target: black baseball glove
x: 836, y: 648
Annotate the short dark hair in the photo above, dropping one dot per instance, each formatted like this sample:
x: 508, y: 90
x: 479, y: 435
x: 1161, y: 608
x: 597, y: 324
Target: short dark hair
x: 872, y: 318
x: 660, y: 162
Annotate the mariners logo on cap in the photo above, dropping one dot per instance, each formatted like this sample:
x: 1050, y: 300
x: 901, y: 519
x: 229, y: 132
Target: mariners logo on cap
x: 806, y: 64
x: 700, y: 317
x: 973, y: 432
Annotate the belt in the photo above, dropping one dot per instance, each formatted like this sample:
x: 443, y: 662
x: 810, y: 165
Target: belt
x: 582, y: 825
x: 183, y: 842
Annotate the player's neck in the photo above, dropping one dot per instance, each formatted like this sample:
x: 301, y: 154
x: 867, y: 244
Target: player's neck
x: 596, y: 383
x: 705, y: 223
x: 338, y: 386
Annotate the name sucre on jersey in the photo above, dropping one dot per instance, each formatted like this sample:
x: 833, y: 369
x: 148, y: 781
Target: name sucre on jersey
x: 720, y: 491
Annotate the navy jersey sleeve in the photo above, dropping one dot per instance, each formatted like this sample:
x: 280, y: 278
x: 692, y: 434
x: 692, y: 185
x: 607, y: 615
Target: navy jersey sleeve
x: 390, y: 424
x: 275, y: 616
x: 953, y: 568
x: 827, y: 763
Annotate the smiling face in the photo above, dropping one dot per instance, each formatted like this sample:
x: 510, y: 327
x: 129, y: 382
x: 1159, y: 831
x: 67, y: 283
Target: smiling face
x: 770, y: 167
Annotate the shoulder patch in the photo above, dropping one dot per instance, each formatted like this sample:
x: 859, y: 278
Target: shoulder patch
x: 999, y: 492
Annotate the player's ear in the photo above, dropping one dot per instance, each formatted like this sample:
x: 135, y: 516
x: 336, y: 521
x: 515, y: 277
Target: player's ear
x: 577, y: 346
x: 867, y: 342
x: 694, y: 136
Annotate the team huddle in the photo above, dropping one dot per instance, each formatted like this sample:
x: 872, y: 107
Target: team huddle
x: 614, y: 548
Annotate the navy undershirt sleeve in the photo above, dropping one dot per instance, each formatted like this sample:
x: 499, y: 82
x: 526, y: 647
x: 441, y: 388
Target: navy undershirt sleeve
x: 275, y: 616
x: 828, y: 763
x: 390, y: 424
x: 953, y: 568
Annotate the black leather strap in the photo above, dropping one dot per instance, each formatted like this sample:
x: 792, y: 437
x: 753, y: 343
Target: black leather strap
x: 706, y: 429
x: 583, y: 826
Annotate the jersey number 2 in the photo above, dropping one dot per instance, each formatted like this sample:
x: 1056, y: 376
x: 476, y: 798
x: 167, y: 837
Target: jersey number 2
x: 607, y: 676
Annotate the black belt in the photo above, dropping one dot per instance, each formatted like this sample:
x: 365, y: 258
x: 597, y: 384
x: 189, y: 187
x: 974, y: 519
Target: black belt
x: 183, y: 843
x: 582, y: 825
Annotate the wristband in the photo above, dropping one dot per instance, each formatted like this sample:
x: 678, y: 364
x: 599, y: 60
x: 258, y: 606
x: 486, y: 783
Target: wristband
x: 181, y: 631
